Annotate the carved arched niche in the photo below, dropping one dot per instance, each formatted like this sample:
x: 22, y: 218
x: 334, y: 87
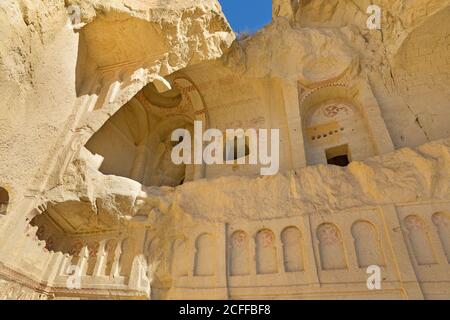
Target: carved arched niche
x: 205, y: 255
x: 420, y: 69
x: 266, y: 252
x: 110, y: 249
x: 335, y: 129
x: 292, y: 249
x: 75, y: 250
x: 419, y: 240
x: 441, y: 221
x: 367, y: 244
x: 153, y: 253
x: 240, y: 254
x: 331, y: 247
x: 127, y: 254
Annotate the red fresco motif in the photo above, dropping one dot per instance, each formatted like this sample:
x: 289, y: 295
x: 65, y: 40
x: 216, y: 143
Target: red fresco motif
x: 76, y: 248
x: 49, y: 244
x: 333, y: 110
x: 267, y: 238
x: 328, y: 234
x: 93, y: 249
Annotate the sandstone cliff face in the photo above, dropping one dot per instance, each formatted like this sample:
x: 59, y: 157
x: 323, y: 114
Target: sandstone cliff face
x: 88, y: 83
x: 404, y: 176
x: 46, y: 66
x: 60, y: 60
x: 408, y: 55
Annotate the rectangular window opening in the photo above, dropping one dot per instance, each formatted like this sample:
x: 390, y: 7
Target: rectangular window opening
x: 338, y: 156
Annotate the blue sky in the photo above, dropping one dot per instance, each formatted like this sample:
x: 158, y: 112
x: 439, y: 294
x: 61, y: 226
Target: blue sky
x: 247, y: 15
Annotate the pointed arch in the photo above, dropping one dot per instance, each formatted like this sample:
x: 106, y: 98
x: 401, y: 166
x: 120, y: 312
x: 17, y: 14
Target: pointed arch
x: 93, y: 248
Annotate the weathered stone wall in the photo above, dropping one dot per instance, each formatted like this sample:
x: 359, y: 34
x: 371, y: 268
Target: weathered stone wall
x: 95, y: 208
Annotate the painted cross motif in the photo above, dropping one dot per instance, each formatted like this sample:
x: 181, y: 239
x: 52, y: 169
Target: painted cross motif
x: 328, y: 234
x: 267, y: 238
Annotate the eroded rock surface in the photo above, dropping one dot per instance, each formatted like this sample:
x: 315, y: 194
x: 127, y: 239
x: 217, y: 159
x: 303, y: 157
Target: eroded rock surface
x: 92, y: 90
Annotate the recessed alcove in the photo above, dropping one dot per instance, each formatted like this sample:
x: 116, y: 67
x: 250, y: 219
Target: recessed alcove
x: 338, y: 156
x: 332, y: 119
x: 4, y: 201
x: 136, y: 141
